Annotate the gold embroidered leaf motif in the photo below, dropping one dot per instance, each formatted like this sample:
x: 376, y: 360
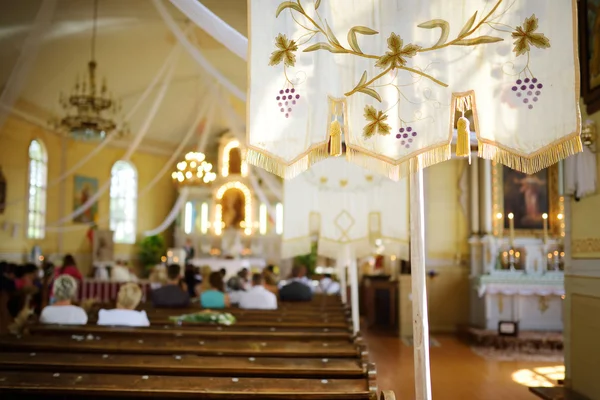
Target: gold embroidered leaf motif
x: 526, y: 35
x: 323, y: 46
x: 352, y: 40
x: 331, y: 36
x: 468, y: 26
x: 285, y: 51
x: 478, y: 40
x: 376, y: 122
x: 317, y: 4
x: 397, y: 55
x: 287, y: 4
x: 370, y: 92
x: 438, y: 23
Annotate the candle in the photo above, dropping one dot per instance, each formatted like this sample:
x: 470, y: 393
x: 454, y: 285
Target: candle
x: 511, y: 227
x: 545, y: 217
x: 500, y: 225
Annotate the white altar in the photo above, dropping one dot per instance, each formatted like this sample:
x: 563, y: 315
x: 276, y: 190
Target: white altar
x: 516, y: 275
x: 232, y: 266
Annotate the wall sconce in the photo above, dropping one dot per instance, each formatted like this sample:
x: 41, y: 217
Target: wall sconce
x: 588, y: 133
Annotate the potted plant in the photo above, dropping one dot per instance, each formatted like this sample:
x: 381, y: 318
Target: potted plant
x: 151, y: 249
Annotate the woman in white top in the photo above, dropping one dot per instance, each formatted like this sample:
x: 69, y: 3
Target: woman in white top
x: 62, y: 311
x: 125, y: 314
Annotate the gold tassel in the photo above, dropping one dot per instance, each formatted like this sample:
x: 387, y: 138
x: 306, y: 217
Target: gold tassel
x: 335, y: 140
x: 463, y: 142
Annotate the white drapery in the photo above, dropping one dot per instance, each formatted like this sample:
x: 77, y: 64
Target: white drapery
x: 195, y: 53
x: 581, y: 174
x: 345, y: 205
x: 214, y: 26
x: 183, y: 195
x: 18, y: 75
x: 396, y: 71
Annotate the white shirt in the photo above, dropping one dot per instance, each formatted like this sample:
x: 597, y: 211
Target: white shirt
x: 63, y: 315
x: 235, y: 296
x: 117, y: 317
x: 329, y: 286
x: 258, y: 298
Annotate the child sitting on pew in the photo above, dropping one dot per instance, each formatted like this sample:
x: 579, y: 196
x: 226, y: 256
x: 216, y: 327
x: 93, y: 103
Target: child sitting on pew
x: 125, y: 314
x: 171, y: 294
x: 62, y: 311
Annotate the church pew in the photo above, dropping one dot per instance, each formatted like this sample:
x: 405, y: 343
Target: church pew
x: 47, y: 385
x: 179, y: 346
x: 243, y: 315
x: 176, y: 331
x: 183, y: 365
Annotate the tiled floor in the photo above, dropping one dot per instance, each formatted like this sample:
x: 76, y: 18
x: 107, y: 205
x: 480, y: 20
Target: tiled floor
x: 456, y: 372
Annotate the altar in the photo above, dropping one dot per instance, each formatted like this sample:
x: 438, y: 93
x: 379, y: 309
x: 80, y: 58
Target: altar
x: 232, y: 266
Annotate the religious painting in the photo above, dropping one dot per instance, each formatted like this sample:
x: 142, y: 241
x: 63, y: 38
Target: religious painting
x: 234, y: 213
x: 589, y: 53
x: 103, y: 246
x: 528, y: 197
x: 83, y: 189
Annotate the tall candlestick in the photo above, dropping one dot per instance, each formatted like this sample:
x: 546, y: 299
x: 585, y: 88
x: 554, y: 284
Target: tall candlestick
x: 545, y: 217
x: 511, y: 226
x: 500, y: 219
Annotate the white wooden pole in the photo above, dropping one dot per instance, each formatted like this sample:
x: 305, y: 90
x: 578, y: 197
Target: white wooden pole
x: 419, y: 290
x: 474, y: 169
x: 352, y: 265
x: 487, y: 197
x: 341, y: 262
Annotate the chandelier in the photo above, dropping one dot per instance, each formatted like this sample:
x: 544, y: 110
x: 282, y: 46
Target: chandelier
x: 88, y: 122
x: 194, y: 170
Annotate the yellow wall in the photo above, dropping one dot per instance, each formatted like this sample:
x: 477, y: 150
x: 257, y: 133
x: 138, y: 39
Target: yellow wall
x: 585, y: 231
x: 446, y: 231
x: 582, y: 337
x: 15, y: 137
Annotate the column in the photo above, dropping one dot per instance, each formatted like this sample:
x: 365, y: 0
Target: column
x: 474, y: 169
x: 486, y: 198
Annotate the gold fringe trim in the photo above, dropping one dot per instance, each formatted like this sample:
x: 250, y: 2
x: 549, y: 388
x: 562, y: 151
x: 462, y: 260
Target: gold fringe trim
x: 287, y: 171
x: 396, y: 172
x: 537, y: 162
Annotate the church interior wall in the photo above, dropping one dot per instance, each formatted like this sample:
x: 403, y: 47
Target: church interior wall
x: 582, y: 288
x: 15, y: 138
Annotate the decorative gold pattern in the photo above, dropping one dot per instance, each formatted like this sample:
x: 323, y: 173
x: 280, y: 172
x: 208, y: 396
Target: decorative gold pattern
x: 543, y: 304
x: 376, y: 122
x: 344, y: 221
x: 285, y: 51
x: 587, y: 245
x: 526, y: 35
x: 500, y: 304
x: 343, y: 182
x: 323, y: 180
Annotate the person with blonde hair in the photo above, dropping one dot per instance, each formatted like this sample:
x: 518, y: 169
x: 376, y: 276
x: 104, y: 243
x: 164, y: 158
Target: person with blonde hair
x: 125, y: 314
x: 62, y: 311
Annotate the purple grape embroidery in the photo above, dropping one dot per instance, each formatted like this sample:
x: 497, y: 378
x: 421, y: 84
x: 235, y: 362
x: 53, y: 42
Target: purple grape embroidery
x: 284, y: 98
x: 524, y: 90
x: 406, y: 136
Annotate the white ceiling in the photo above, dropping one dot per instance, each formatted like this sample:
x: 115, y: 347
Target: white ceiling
x: 132, y: 45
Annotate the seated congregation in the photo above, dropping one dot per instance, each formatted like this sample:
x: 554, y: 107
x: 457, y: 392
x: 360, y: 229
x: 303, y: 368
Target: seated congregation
x: 272, y: 349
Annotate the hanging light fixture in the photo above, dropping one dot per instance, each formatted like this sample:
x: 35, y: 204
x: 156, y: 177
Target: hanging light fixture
x: 88, y: 122
x: 194, y: 170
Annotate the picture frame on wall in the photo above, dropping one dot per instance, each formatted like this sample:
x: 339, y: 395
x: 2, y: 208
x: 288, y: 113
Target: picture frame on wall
x: 528, y: 197
x: 83, y: 189
x: 589, y: 53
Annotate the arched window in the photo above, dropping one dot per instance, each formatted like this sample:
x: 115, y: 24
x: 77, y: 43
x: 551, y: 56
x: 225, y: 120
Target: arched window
x: 38, y: 179
x: 123, y: 202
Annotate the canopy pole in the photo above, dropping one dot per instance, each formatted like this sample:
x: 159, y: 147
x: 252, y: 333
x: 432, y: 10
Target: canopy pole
x: 343, y: 284
x: 419, y: 290
x: 352, y: 265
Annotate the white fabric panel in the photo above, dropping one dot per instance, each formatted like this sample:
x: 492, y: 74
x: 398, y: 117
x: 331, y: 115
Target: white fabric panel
x: 183, y: 195
x: 214, y: 26
x: 195, y: 53
x: 581, y: 174
x: 526, y: 103
x: 18, y: 75
x: 355, y: 208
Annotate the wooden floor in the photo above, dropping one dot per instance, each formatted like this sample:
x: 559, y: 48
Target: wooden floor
x: 456, y: 372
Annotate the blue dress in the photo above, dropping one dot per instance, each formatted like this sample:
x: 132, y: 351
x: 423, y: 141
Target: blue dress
x: 212, y: 299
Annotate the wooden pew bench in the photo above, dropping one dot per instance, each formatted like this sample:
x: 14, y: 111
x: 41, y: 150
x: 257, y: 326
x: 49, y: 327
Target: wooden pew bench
x: 183, y: 365
x: 48, y: 385
x: 199, y: 332
x: 556, y: 393
x: 180, y: 346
